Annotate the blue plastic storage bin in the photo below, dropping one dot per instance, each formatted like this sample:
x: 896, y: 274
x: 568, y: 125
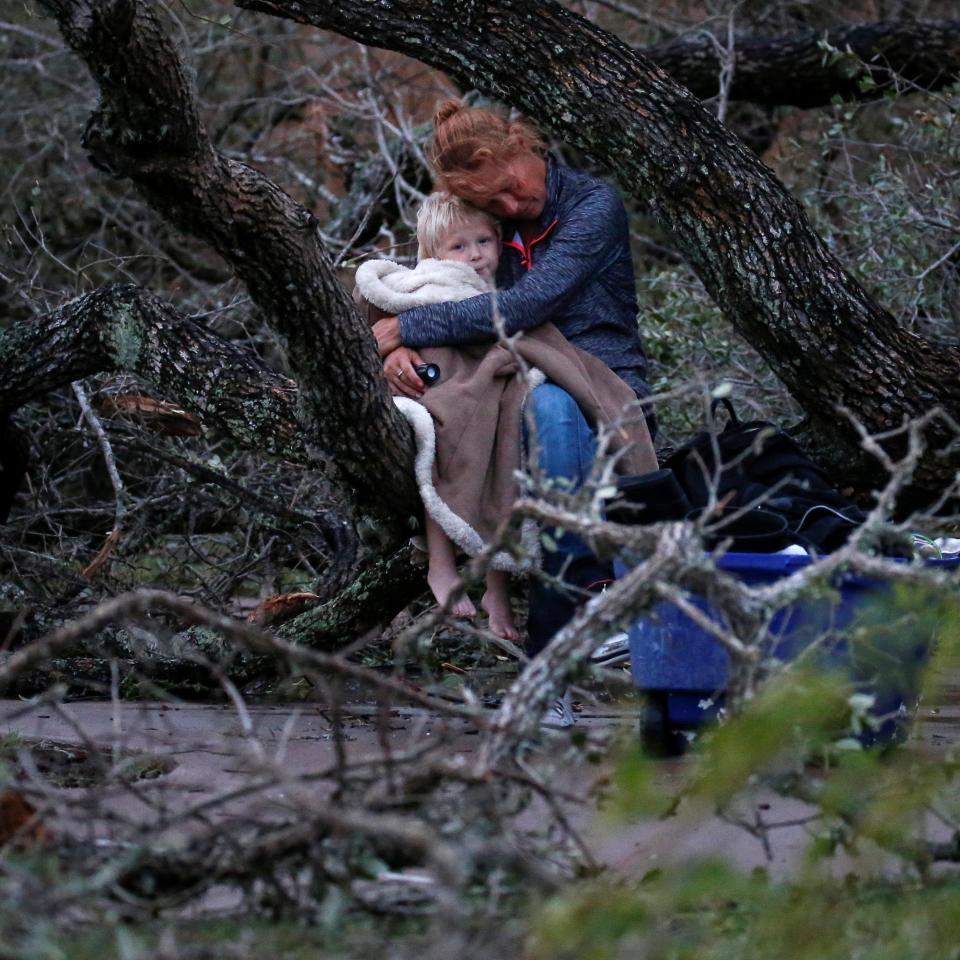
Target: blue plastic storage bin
x: 685, y: 669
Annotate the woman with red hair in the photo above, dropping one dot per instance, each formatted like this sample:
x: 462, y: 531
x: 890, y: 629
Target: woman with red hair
x: 566, y: 258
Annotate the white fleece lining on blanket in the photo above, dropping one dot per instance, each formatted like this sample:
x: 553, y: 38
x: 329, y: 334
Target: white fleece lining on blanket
x: 395, y: 288
x: 453, y: 525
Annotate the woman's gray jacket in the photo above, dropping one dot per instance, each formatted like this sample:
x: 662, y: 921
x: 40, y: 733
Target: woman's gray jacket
x: 578, y: 273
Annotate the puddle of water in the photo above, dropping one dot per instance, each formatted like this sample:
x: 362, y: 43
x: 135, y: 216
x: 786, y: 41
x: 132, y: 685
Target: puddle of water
x: 70, y: 765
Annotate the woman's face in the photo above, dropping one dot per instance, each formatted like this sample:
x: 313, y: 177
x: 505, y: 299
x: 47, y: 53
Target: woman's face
x: 514, y: 190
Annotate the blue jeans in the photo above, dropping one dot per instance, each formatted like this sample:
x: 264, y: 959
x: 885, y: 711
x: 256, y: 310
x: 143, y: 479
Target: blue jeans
x: 567, y: 447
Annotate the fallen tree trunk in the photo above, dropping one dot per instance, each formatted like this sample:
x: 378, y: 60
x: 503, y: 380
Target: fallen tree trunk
x: 80, y: 648
x: 123, y: 329
x: 860, y: 62
x: 384, y: 587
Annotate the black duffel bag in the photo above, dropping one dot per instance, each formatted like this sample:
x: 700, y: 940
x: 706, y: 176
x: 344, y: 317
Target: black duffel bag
x: 756, y: 464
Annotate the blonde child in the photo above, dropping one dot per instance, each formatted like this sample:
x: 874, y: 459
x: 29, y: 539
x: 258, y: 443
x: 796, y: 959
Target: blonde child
x: 449, y: 229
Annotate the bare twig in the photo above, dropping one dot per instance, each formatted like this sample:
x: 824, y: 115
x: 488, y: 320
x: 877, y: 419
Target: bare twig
x: 120, y: 509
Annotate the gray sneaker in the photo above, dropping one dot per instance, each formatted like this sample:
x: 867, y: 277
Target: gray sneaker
x: 559, y: 715
x: 613, y: 651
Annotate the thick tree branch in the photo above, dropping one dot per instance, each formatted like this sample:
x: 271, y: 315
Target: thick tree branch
x: 802, y: 71
x: 746, y: 237
x: 147, y: 128
x: 123, y: 329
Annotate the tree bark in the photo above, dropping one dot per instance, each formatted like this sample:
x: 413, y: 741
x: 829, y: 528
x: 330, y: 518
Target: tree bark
x: 147, y: 128
x: 802, y: 71
x: 123, y: 329
x: 384, y: 587
x: 745, y: 236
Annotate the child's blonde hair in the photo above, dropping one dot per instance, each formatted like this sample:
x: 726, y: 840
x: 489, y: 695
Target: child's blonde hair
x: 438, y: 214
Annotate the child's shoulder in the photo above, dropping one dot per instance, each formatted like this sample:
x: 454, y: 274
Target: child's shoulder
x: 377, y: 269
x: 395, y: 288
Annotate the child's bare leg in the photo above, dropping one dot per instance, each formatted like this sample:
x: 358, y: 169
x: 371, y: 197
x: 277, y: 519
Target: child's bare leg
x: 496, y: 601
x: 442, y: 570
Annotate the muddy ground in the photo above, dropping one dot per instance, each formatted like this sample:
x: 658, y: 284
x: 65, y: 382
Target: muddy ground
x: 186, y: 763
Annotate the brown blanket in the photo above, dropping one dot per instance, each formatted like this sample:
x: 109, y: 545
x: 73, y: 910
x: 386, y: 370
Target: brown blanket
x: 469, y: 484
x: 476, y: 409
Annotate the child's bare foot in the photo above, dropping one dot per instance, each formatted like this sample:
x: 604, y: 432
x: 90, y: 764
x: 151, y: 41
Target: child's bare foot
x: 441, y: 585
x: 497, y: 605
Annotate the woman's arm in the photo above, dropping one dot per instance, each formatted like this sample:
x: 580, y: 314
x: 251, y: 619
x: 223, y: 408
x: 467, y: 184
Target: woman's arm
x: 580, y: 248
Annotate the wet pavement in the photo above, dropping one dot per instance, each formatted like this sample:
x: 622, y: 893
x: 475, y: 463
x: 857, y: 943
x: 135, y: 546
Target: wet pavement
x: 239, y: 762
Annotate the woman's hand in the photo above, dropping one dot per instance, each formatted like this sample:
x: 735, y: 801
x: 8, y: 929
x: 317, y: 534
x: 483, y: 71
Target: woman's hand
x: 387, y: 332
x: 399, y: 373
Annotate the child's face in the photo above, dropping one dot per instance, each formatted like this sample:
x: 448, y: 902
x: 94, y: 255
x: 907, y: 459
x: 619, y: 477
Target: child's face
x: 472, y: 241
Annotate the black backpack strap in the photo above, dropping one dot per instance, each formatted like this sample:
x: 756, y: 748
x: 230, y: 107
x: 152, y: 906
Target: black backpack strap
x: 715, y: 405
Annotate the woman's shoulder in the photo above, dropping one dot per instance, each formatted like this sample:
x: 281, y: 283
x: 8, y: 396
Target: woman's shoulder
x: 578, y: 188
x: 372, y: 270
